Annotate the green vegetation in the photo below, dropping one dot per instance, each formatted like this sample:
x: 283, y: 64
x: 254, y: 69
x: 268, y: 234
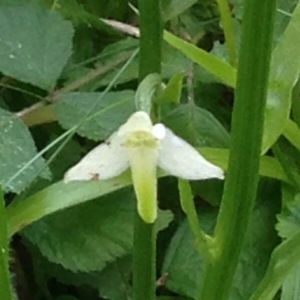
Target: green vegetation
x: 223, y: 76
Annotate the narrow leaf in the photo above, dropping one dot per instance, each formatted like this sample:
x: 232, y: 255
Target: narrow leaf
x: 22, y: 213
x: 211, y: 63
x: 5, y: 285
x: 284, y: 74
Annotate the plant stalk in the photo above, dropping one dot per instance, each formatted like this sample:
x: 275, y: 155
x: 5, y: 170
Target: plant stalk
x: 202, y: 240
x: 246, y: 138
x: 144, y: 258
x: 150, y: 38
x: 144, y: 252
x: 5, y: 286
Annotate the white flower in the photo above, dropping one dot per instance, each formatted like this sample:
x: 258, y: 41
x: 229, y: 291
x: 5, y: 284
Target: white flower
x: 142, y: 147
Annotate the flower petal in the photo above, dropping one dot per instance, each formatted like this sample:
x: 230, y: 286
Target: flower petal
x: 180, y: 159
x: 159, y: 131
x: 103, y: 162
x: 139, y: 121
x: 143, y: 162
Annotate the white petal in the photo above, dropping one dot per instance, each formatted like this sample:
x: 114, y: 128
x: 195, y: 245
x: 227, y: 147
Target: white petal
x: 180, y: 159
x: 139, y: 121
x: 103, y: 162
x: 159, y: 131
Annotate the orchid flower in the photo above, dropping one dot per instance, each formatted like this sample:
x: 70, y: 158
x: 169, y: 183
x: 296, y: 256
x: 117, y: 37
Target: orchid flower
x: 143, y: 147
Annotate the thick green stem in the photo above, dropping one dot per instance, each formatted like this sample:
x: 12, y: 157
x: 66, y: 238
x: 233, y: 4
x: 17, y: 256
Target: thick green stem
x: 150, y: 38
x: 143, y: 260
x: 144, y: 254
x: 5, y: 288
x: 247, y: 127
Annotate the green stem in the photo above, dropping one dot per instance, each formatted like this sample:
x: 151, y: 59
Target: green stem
x: 227, y: 24
x: 5, y: 287
x: 144, y: 254
x: 247, y: 127
x: 143, y: 260
x: 150, y: 38
x: 186, y: 200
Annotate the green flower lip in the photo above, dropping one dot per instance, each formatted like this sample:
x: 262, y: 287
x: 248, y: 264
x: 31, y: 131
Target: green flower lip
x: 141, y: 139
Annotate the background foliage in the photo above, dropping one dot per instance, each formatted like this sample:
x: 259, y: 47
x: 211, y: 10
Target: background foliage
x: 68, y: 80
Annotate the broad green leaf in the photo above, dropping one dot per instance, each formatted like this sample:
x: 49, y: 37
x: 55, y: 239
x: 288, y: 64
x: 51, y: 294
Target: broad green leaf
x: 209, y: 190
x: 222, y: 70
x: 105, y: 116
x: 291, y: 286
x: 219, y: 50
x: 104, y: 61
x: 172, y: 8
x: 260, y: 241
x: 288, y: 225
x: 182, y: 262
x: 284, y: 74
x: 284, y: 259
x: 289, y: 220
x: 215, y: 98
x: 35, y: 44
x: 284, y: 11
x: 173, y: 61
x: 284, y: 8
x: 16, y: 150
x: 87, y: 237
x: 198, y: 126
x: 185, y: 266
x: 114, y: 280
x: 195, y: 22
x: 284, y: 264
